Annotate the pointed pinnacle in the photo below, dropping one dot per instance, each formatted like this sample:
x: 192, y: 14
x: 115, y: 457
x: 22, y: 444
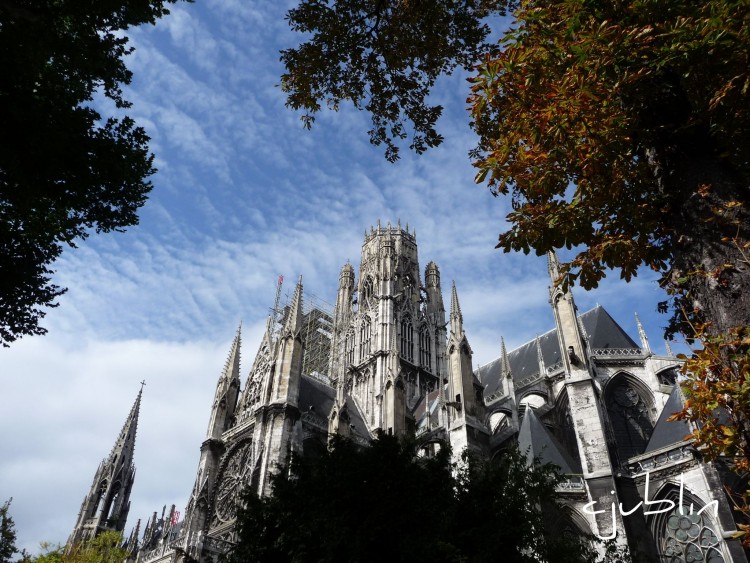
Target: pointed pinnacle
x: 553, y: 265
x: 455, y: 306
x: 504, y: 363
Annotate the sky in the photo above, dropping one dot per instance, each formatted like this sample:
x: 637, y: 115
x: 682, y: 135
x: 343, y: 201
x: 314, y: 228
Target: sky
x: 242, y: 195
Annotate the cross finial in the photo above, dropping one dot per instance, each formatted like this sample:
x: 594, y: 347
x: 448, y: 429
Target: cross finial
x: 142, y: 384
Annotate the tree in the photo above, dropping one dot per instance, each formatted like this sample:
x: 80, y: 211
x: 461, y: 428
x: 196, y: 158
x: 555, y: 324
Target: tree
x: 7, y: 533
x: 65, y: 170
x: 104, y: 548
x: 382, y: 503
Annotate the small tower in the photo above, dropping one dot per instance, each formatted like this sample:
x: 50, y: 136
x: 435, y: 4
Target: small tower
x: 106, y: 506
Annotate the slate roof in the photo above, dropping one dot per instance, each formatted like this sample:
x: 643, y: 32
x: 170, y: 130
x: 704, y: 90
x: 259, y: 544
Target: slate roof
x: 315, y: 394
x: 668, y: 433
x: 601, y: 329
x: 536, y: 441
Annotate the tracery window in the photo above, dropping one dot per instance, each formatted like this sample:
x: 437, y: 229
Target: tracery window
x: 364, y: 339
x: 367, y: 287
x: 407, y: 339
x: 424, y: 348
x: 349, y: 349
x: 630, y: 419
x: 683, y: 536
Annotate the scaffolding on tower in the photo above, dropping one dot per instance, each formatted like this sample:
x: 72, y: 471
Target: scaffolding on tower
x: 317, y: 332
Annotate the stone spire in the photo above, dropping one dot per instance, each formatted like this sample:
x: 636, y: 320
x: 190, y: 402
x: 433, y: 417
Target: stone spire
x: 457, y: 319
x: 506, y: 377
x: 642, y: 334
x: 289, y: 354
x: 504, y: 363
x: 227, y: 390
x: 107, y: 505
x: 553, y: 266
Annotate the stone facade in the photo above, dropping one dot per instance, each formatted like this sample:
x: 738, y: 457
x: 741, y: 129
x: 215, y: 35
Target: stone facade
x: 584, y: 396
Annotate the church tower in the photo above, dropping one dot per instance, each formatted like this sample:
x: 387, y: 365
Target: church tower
x: 106, y: 506
x: 390, y: 336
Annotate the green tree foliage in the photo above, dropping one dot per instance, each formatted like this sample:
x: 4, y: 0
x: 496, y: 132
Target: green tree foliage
x: 104, y: 548
x: 383, y: 57
x: 65, y: 170
x: 7, y: 533
x: 381, y: 503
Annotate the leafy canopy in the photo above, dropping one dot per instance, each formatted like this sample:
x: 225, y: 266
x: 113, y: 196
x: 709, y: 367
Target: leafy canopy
x: 104, y: 548
x: 382, y: 503
x: 65, y: 170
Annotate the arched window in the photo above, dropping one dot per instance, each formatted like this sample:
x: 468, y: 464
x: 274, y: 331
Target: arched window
x: 349, y: 348
x: 629, y: 414
x: 367, y: 290
x: 425, y: 350
x: 407, y: 339
x: 686, y: 533
x: 364, y: 339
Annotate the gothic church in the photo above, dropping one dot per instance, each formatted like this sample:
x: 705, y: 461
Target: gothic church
x: 389, y: 357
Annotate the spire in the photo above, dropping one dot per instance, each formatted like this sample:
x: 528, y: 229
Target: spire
x: 125, y: 444
x: 294, y: 319
x: 540, y: 356
x: 227, y: 389
x: 553, y: 266
x: 232, y: 365
x: 108, y: 502
x: 504, y: 363
x: 457, y: 319
x: 668, y: 348
x: 642, y: 334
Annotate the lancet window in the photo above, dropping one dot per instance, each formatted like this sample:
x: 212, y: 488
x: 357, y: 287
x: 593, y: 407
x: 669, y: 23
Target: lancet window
x: 629, y: 414
x: 407, y: 339
x: 364, y: 339
x: 349, y: 349
x: 425, y: 351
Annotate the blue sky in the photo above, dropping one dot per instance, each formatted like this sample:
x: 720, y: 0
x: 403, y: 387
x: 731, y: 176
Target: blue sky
x: 243, y: 194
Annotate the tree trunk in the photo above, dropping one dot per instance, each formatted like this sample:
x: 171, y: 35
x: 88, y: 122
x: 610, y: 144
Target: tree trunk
x: 711, y: 264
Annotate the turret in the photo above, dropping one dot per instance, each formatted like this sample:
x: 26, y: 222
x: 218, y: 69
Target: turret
x: 433, y: 290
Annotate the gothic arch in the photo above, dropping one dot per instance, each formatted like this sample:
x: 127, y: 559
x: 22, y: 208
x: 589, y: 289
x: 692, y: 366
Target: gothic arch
x: 683, y: 535
x: 570, y: 521
x: 499, y: 419
x: 631, y: 412
x: 527, y: 398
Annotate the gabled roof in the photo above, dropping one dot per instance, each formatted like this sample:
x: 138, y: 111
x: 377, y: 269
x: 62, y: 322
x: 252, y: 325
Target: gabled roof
x: 600, y: 327
x: 668, y: 433
x: 536, y: 441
